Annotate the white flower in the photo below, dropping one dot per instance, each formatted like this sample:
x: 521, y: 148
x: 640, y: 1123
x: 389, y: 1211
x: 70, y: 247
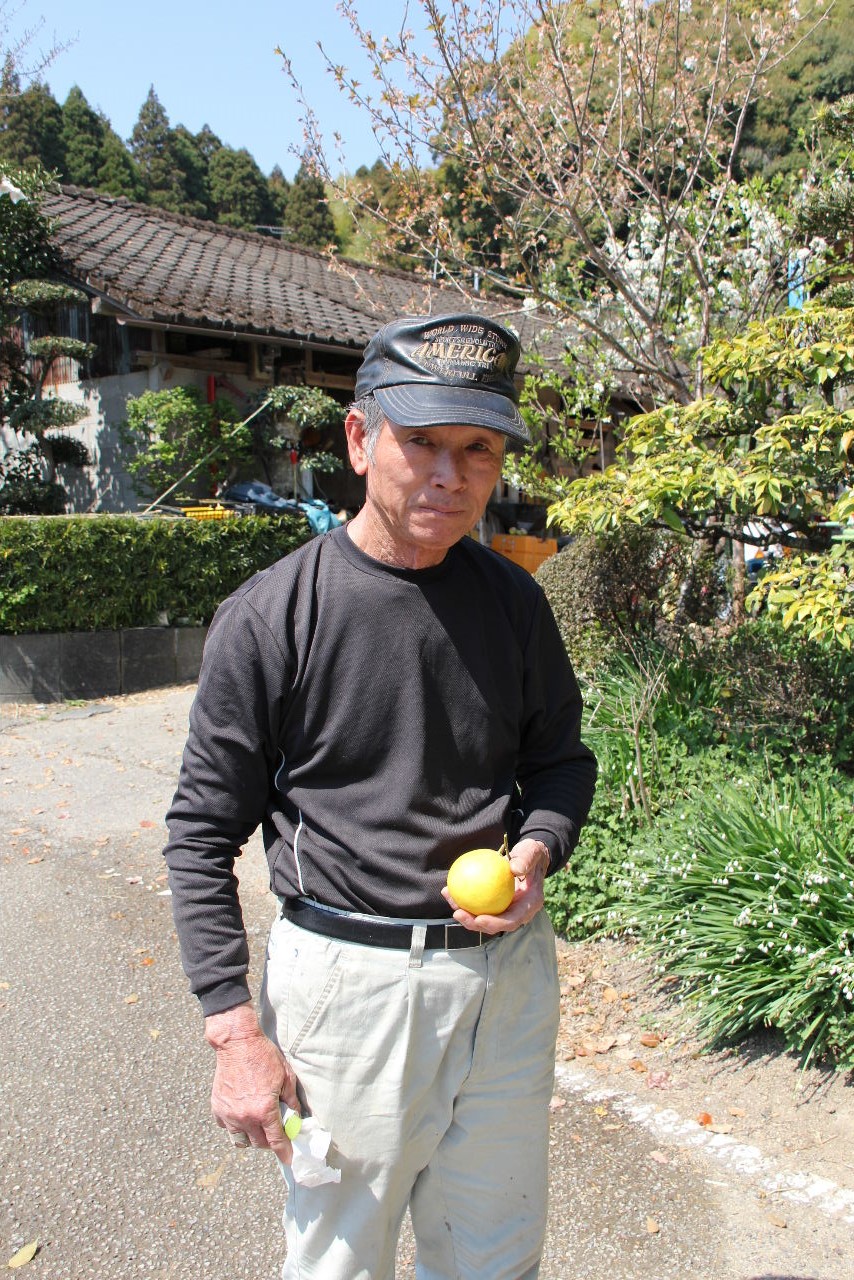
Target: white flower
x: 9, y: 189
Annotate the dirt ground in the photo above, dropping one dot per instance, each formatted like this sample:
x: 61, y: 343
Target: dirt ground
x: 632, y: 1035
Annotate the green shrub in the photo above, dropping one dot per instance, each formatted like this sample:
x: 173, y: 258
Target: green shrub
x: 608, y: 590
x: 92, y: 573
x: 648, y: 720
x: 749, y: 898
x: 780, y: 685
x: 579, y: 899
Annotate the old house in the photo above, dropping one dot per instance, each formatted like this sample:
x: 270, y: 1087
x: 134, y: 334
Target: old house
x: 176, y: 301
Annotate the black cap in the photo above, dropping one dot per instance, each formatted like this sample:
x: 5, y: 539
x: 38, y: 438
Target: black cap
x: 433, y: 371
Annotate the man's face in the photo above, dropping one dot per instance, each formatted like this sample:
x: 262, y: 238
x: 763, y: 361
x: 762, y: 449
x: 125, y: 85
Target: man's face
x: 426, y: 487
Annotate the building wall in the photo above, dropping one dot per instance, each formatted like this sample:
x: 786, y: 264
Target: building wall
x: 106, y: 485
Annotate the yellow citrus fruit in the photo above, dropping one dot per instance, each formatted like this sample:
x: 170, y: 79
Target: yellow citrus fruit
x: 481, y: 882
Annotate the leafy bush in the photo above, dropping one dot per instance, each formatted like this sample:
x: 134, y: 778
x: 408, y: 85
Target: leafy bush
x: 779, y: 684
x: 23, y: 487
x: 607, y: 587
x: 750, y: 900
x: 91, y: 573
x: 648, y: 721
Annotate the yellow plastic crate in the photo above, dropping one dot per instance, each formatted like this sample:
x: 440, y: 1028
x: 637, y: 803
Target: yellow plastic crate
x: 524, y: 550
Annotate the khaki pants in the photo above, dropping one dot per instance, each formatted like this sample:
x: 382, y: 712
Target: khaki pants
x: 433, y: 1073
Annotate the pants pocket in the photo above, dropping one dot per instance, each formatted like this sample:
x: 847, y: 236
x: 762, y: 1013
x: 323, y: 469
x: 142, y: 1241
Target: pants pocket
x: 301, y: 976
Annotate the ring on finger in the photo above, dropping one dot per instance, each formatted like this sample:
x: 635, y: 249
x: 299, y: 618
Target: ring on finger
x: 239, y: 1138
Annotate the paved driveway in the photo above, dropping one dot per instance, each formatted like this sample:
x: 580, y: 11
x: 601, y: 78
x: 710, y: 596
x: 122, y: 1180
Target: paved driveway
x: 108, y: 1155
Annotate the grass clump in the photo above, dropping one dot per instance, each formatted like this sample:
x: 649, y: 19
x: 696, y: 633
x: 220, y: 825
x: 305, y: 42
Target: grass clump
x: 749, y: 899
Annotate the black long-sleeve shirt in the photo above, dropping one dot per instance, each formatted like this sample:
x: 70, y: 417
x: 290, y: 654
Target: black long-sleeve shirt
x: 377, y: 722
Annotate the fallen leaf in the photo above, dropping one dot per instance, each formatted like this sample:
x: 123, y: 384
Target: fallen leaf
x: 610, y: 995
x: 705, y: 1119
x: 600, y: 1111
x: 31, y: 862
x: 557, y: 1102
x: 19, y: 831
x: 147, y: 960
x: 659, y: 1157
x: 5, y: 986
x: 637, y: 1065
x: 34, y: 811
x: 154, y: 1033
x: 146, y: 822
x: 575, y: 980
x: 720, y: 1128
x: 132, y: 999
x: 624, y: 1038
x: 737, y: 1111
x: 24, y: 1255
x: 777, y: 1221
x: 652, y: 1226
x: 211, y: 1179
x: 650, y: 1040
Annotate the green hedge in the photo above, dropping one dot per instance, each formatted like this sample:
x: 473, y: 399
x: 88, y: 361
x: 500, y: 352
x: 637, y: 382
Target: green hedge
x: 99, y: 573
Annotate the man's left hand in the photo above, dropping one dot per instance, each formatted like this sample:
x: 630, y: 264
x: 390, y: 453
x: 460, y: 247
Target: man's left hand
x: 529, y: 861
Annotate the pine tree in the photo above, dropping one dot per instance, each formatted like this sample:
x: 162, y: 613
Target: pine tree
x: 191, y: 173
x: 30, y: 125
x: 83, y: 139
x: 279, y: 190
x: 208, y: 143
x: 153, y: 149
x: 117, y: 173
x: 307, y: 220
x: 28, y: 475
x: 239, y: 190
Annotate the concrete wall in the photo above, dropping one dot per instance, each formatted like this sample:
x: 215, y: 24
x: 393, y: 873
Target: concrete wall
x: 97, y: 664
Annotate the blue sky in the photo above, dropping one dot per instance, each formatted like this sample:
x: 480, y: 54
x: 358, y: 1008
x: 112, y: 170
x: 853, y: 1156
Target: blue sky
x: 212, y: 62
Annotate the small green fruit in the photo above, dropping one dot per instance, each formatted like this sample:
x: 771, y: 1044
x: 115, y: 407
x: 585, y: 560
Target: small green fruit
x: 293, y: 1125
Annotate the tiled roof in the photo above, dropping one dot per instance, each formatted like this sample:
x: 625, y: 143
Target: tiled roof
x: 170, y: 269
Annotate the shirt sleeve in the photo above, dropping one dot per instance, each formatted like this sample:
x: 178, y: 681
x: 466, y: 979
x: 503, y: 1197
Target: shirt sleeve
x: 556, y: 772
x: 228, y: 766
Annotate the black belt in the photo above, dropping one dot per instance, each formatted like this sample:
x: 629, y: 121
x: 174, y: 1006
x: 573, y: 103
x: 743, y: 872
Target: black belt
x: 382, y: 932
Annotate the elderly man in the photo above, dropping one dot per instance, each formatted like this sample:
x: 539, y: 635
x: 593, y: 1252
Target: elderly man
x: 387, y: 697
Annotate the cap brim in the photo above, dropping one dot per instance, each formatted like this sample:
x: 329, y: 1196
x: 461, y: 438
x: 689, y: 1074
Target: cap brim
x: 424, y: 404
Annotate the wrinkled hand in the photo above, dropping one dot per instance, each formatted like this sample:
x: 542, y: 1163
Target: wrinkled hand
x: 251, y: 1078
x: 529, y: 861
